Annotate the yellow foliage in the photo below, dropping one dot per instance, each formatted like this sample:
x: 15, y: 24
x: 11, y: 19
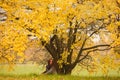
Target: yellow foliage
x: 44, y: 18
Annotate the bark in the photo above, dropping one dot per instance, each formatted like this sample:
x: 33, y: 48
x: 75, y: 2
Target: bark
x: 65, y: 70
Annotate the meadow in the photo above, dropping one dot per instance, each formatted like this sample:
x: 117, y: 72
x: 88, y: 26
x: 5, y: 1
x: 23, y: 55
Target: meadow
x: 33, y: 72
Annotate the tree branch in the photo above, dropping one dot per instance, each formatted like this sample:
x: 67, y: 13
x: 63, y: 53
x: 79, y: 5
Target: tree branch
x: 50, y: 48
x: 95, y: 31
x: 92, y: 51
x: 80, y: 51
x: 96, y: 46
x: 72, y: 39
x: 83, y: 57
x: 57, y: 44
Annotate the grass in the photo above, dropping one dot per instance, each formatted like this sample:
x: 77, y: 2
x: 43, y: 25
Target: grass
x: 21, y: 69
x: 54, y: 77
x: 33, y: 72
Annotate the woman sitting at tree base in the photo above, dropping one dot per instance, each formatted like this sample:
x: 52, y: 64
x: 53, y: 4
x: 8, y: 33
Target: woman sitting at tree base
x: 50, y: 69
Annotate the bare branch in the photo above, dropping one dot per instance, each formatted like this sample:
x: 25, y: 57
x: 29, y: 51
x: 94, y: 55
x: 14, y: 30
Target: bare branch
x: 95, y: 31
x: 96, y: 46
x: 80, y: 51
x: 85, y: 56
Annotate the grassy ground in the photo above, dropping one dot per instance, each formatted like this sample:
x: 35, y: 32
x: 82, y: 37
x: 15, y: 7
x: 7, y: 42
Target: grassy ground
x: 33, y: 72
x: 21, y: 69
x: 55, y: 77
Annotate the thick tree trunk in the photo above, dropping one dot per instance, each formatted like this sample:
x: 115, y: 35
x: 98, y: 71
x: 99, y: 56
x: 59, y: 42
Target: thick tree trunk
x: 56, y: 47
x: 66, y: 69
x: 64, y: 72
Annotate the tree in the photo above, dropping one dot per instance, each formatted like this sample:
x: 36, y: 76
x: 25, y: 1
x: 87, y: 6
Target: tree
x: 68, y: 29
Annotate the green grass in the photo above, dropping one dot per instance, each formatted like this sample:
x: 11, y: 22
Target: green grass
x: 33, y: 72
x: 54, y: 77
x: 21, y: 69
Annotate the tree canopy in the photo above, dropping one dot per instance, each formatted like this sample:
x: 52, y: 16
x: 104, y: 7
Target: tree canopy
x: 73, y: 31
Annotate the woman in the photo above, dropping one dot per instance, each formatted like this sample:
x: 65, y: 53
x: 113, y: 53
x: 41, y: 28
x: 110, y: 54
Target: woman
x: 50, y: 69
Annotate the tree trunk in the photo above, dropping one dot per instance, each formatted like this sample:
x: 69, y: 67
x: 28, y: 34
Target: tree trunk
x: 66, y: 69
x: 62, y: 71
x: 55, y: 48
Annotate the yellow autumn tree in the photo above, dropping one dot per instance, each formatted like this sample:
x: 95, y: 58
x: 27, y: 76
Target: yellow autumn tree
x: 72, y: 31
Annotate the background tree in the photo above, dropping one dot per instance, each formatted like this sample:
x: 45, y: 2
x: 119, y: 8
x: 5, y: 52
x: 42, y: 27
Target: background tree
x: 35, y: 53
x: 72, y: 31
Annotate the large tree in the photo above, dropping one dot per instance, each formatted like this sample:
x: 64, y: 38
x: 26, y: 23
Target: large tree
x: 72, y: 31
